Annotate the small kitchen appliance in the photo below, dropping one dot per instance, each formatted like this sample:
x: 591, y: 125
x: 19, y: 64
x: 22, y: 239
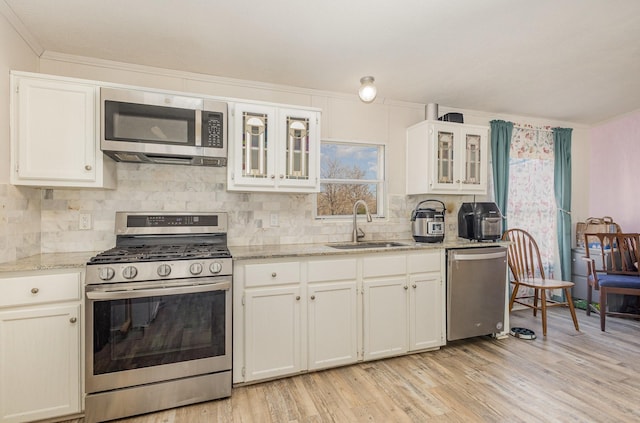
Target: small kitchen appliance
x: 427, y: 223
x: 480, y: 221
x: 158, y: 315
x: 149, y: 127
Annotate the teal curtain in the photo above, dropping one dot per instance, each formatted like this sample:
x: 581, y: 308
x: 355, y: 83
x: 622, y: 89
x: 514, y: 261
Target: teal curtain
x: 562, y: 188
x: 500, y: 145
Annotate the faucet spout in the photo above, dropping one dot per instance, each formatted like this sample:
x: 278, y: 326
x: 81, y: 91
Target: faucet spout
x: 359, y: 233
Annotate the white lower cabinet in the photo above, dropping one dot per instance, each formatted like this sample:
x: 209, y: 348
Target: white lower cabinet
x: 426, y: 311
x: 427, y: 299
x: 273, y: 332
x: 332, y: 324
x: 315, y: 313
x: 40, y: 335
x: 385, y: 317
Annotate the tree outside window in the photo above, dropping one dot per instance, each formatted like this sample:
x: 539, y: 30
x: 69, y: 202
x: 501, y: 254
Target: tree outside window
x: 349, y: 172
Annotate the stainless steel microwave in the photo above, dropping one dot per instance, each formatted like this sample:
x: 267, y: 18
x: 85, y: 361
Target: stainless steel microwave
x: 151, y: 127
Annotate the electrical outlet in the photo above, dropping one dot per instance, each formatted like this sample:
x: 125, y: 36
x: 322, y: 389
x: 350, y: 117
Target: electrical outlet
x: 274, y: 222
x: 85, y: 221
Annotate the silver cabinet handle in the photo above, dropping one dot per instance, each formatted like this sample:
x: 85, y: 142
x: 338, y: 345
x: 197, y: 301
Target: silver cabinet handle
x: 34, y: 290
x: 297, y: 297
x: 87, y: 167
x: 406, y: 287
x: 73, y: 320
x: 313, y: 297
x: 414, y: 285
x: 281, y: 176
x: 274, y: 274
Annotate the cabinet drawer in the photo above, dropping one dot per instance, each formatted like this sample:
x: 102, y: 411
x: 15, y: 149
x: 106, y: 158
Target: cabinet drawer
x: 271, y: 274
x: 332, y: 270
x: 38, y: 289
x: 424, y: 263
x: 377, y: 266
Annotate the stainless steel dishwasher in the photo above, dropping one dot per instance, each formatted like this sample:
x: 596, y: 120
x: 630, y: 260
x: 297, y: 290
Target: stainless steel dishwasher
x: 476, y: 287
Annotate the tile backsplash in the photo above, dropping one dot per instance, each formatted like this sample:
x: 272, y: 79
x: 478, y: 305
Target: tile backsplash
x: 19, y: 222
x: 47, y: 220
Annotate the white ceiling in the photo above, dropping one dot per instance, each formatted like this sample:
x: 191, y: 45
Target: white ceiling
x: 567, y: 60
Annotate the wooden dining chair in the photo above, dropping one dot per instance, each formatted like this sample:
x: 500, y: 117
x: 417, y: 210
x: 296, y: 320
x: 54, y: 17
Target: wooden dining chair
x: 525, y: 263
x: 612, y: 266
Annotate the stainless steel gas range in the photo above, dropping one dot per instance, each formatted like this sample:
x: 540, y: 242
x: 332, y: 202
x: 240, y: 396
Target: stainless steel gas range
x: 158, y: 315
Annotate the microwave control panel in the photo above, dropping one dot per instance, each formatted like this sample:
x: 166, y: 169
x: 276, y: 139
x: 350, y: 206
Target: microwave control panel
x: 212, y: 129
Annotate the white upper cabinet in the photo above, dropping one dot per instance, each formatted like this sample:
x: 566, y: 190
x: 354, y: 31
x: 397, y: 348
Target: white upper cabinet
x: 54, y: 133
x: 273, y: 148
x: 447, y: 158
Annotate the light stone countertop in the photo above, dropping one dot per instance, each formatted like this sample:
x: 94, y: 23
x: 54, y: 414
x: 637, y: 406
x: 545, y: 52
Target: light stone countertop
x: 77, y: 260
x: 50, y: 261
x: 308, y: 250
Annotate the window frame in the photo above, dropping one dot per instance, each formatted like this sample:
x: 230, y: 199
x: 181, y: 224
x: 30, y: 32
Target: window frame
x: 381, y: 183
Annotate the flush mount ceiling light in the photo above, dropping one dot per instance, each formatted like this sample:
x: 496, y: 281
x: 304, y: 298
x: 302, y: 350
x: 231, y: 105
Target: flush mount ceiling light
x: 367, y: 91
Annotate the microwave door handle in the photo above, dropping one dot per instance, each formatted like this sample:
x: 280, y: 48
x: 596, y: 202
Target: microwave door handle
x: 151, y: 292
x: 198, y: 128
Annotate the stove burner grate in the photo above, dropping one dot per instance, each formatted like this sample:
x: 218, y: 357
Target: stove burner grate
x: 143, y: 253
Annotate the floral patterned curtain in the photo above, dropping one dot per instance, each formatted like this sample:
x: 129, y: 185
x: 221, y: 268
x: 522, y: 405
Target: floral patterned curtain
x: 531, y: 201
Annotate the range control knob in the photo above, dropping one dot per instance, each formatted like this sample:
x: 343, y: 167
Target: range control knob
x: 215, y: 267
x: 106, y: 273
x: 164, y: 270
x: 195, y: 268
x: 129, y: 272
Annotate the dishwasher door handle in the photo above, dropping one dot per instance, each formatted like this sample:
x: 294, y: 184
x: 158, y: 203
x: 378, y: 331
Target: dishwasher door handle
x: 486, y: 256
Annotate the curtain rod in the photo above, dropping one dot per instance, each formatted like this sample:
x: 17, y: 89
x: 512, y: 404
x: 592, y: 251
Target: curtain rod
x: 534, y: 128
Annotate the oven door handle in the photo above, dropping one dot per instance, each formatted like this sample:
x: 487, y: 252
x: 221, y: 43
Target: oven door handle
x: 151, y: 292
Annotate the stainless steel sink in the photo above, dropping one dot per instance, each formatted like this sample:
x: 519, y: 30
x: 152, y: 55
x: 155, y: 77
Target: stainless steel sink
x: 363, y: 245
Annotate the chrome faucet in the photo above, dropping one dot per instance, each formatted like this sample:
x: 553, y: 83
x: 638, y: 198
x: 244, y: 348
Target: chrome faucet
x: 359, y: 233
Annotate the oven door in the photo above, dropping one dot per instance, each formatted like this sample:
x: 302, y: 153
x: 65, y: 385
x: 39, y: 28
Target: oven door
x: 138, y: 333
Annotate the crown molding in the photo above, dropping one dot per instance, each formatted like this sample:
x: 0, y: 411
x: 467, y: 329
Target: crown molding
x: 21, y: 29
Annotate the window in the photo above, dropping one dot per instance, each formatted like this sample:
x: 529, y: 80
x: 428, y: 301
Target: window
x: 532, y: 205
x: 350, y: 171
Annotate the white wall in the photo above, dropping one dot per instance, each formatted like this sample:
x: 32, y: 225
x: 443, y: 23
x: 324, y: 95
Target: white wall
x: 155, y: 187
x: 19, y: 207
x: 15, y: 54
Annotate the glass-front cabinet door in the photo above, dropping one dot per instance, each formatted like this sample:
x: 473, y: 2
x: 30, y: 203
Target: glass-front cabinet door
x: 444, y: 160
x: 472, y: 159
x: 253, y: 132
x: 474, y: 172
x: 297, y: 164
x: 273, y: 149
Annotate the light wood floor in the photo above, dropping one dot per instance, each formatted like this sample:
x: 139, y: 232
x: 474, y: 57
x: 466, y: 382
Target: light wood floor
x: 570, y: 376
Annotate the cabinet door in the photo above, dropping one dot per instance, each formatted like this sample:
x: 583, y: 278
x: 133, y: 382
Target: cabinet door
x: 273, y: 332
x: 253, y: 145
x: 426, y: 314
x: 445, y: 146
x: 39, y: 363
x: 385, y: 317
x: 333, y: 324
x: 56, y: 132
x: 474, y: 161
x: 299, y: 149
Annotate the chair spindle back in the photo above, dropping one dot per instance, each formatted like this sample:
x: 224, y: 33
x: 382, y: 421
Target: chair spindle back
x: 523, y: 255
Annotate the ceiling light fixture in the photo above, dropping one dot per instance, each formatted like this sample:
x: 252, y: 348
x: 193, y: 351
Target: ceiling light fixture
x: 367, y: 91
